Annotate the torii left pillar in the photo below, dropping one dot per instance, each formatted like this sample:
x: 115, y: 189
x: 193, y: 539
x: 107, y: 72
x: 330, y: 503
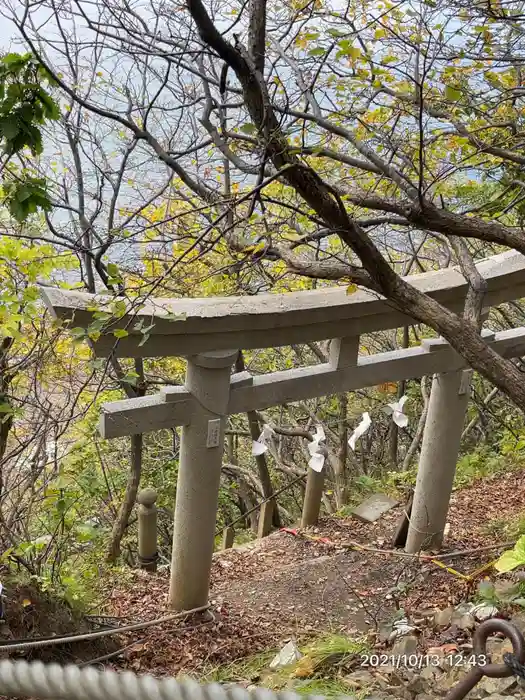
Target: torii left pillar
x: 201, y: 451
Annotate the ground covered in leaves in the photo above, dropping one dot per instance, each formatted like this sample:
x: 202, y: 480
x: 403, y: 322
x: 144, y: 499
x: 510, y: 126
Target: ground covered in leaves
x: 28, y: 613
x: 303, y: 583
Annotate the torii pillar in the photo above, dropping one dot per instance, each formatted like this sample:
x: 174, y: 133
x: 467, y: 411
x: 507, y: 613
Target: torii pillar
x: 437, y: 464
x: 201, y: 452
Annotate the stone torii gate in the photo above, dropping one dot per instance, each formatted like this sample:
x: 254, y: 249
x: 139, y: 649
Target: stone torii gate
x: 209, y: 336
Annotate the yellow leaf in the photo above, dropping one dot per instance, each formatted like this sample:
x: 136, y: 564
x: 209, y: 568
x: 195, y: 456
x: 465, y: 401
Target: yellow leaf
x: 353, y: 52
x: 388, y: 387
x: 351, y: 289
x: 305, y: 668
x: 255, y: 248
x: 26, y: 602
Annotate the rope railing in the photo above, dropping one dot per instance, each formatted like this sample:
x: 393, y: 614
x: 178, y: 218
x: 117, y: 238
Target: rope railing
x: 24, y: 644
x: 39, y: 680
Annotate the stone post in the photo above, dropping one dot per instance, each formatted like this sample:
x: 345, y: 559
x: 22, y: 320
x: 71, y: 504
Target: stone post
x: 265, y: 519
x: 228, y: 537
x: 312, y: 497
x: 437, y: 463
x: 147, y: 527
x: 201, y: 452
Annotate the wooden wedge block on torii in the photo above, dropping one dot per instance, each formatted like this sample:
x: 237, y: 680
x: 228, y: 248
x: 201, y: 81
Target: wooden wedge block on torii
x: 374, y: 507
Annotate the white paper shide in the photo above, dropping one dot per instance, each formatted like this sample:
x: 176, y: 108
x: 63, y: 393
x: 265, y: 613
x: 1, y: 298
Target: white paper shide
x: 396, y: 411
x: 361, y: 429
x: 317, y: 458
x: 260, y: 446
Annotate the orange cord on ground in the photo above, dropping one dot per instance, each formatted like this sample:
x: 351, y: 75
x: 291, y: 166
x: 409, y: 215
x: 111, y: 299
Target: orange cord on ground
x: 468, y: 578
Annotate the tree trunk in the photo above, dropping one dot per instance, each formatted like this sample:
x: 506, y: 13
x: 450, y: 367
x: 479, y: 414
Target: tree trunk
x: 262, y: 464
x: 341, y: 491
x: 130, y: 496
x: 6, y: 418
x: 414, y: 445
x: 393, y: 437
x: 135, y: 469
x: 479, y: 416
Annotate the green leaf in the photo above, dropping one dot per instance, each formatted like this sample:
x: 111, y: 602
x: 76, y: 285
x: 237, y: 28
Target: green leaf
x: 452, y: 93
x: 102, y: 315
x: 25, y: 196
x: 120, y: 333
x: 336, y: 33
x: 23, y: 192
x: 9, y: 127
x: 61, y: 506
x: 507, y: 562
x: 319, y: 51
x: 248, y: 128
x: 512, y: 558
x: 78, y: 333
x: 96, y: 326
x: 486, y: 589
x: 114, y: 272
x: 86, y: 532
x: 11, y: 59
x: 130, y: 378
x: 353, y: 52
x: 51, y: 110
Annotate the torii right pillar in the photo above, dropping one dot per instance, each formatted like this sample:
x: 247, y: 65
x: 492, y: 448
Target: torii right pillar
x: 437, y: 464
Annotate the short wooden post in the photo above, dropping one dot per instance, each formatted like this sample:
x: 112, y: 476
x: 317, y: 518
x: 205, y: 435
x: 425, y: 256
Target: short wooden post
x: 312, y: 497
x: 147, y: 526
x: 228, y: 536
x: 265, y: 519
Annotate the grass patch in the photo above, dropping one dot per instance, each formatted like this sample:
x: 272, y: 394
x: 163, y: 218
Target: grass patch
x: 320, y: 671
x: 483, y: 463
x: 247, y: 669
x: 331, y: 645
x: 327, y: 687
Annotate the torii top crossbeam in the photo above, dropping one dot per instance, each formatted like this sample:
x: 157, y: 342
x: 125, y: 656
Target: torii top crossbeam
x: 273, y: 320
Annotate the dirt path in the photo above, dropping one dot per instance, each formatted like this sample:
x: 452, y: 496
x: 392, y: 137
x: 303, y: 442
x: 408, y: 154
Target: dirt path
x: 288, y: 584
